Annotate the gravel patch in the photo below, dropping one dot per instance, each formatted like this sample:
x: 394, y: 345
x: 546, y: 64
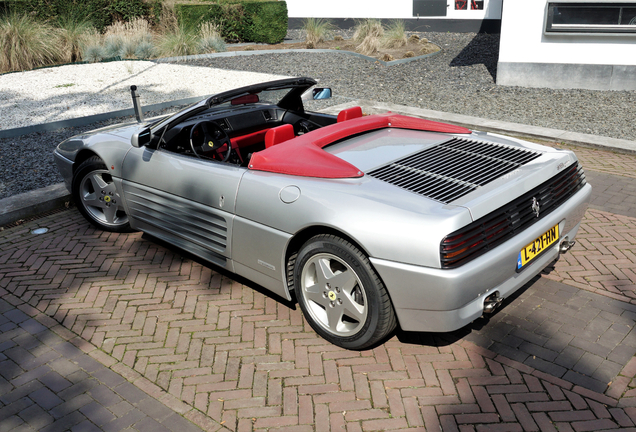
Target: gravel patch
x: 461, y: 79
x: 71, y: 91
x: 26, y: 162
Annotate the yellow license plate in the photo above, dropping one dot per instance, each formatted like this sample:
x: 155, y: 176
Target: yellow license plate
x: 540, y: 244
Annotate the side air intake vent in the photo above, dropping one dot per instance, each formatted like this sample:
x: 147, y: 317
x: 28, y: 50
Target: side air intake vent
x: 452, y: 169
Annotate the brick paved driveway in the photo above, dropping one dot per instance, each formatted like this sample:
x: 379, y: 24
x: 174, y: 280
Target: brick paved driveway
x: 225, y: 354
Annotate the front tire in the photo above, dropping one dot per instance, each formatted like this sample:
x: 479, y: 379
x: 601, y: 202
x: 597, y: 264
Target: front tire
x: 341, y: 295
x: 97, y: 198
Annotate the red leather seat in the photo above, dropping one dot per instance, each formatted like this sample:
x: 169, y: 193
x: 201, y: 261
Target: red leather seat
x: 278, y: 135
x: 349, y: 113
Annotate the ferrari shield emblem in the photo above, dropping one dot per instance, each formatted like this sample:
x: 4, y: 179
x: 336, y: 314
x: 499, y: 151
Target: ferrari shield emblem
x: 535, y: 206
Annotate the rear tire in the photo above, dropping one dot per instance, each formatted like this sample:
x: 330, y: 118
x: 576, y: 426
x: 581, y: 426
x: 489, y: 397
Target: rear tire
x: 97, y: 198
x: 341, y: 295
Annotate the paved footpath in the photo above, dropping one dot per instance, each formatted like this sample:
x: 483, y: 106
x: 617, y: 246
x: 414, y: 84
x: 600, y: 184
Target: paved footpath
x: 113, y: 331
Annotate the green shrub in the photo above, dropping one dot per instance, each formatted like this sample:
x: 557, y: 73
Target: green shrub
x: 26, y: 43
x: 253, y: 21
x: 101, y: 13
x: 267, y: 21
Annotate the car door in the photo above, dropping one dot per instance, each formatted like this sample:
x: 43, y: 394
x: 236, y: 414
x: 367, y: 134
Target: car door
x: 183, y: 200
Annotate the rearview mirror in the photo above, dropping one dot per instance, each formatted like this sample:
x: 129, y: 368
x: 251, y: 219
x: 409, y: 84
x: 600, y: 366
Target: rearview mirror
x: 141, y: 138
x: 316, y: 93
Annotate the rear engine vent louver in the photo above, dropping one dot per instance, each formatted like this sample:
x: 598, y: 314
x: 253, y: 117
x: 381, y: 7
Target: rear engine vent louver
x: 452, y: 169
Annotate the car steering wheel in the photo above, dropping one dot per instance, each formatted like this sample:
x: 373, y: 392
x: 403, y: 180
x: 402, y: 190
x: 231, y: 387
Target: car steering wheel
x: 207, y: 140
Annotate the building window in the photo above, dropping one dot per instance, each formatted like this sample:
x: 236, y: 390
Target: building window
x: 474, y: 4
x: 591, y: 18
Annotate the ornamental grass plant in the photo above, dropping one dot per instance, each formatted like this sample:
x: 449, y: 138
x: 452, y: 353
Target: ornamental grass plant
x: 26, y: 43
x: 210, y: 39
x: 367, y: 35
x: 394, y: 35
x: 317, y: 30
x: 75, y: 32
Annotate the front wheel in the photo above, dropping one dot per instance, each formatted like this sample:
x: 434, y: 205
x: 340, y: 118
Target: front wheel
x: 341, y: 295
x: 97, y: 198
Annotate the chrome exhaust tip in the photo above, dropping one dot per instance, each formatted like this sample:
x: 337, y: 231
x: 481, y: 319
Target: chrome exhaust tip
x: 492, y: 302
x: 566, y: 245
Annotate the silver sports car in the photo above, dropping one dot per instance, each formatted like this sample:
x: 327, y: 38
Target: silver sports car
x: 368, y: 221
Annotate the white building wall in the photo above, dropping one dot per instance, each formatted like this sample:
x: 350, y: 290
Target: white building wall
x: 523, y: 40
x: 395, y: 9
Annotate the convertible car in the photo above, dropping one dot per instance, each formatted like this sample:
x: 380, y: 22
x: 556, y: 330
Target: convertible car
x: 369, y: 222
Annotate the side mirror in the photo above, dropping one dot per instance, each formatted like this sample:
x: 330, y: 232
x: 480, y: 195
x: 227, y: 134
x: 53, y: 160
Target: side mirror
x: 316, y: 93
x: 141, y: 138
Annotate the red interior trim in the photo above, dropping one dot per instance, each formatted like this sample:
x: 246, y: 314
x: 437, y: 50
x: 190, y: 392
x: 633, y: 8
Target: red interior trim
x: 303, y: 156
x: 249, y: 139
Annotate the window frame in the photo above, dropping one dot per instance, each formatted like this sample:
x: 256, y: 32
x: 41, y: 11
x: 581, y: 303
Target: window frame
x: 587, y: 29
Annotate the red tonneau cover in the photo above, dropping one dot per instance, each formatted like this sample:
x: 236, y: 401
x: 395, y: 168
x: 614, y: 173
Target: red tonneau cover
x: 303, y: 156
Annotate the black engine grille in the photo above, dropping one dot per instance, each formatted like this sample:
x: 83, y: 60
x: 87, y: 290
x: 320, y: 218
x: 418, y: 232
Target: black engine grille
x: 450, y: 170
x: 502, y: 224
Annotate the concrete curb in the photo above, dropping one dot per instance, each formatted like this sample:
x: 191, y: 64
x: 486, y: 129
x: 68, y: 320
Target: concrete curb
x: 49, y: 198
x: 32, y: 203
x: 282, y: 51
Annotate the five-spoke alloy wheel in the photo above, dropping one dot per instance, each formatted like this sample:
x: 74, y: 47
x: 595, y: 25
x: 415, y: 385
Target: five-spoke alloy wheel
x: 340, y: 293
x: 97, y: 198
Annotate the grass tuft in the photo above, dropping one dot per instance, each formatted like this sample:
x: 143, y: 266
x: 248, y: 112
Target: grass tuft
x: 181, y: 41
x: 317, y: 30
x: 145, y: 50
x: 26, y: 43
x: 394, y: 35
x: 367, y: 34
x: 75, y: 32
x: 367, y: 27
x: 211, y: 40
x: 93, y: 53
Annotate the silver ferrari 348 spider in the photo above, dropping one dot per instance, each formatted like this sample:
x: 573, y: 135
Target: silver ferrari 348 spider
x: 369, y: 221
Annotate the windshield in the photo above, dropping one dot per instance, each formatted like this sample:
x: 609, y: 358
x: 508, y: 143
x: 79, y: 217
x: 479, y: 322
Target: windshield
x: 266, y: 96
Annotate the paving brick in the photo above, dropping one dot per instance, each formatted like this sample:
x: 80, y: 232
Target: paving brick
x: 257, y: 357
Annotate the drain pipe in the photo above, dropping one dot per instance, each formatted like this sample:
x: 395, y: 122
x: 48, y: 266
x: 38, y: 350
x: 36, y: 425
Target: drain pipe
x: 136, y: 105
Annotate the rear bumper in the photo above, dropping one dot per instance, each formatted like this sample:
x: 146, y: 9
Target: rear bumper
x: 430, y: 299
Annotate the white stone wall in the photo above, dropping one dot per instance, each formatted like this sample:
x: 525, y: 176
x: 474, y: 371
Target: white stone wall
x: 522, y: 40
x: 395, y: 9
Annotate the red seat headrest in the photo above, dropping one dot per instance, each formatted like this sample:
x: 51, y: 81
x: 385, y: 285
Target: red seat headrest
x: 278, y: 135
x: 349, y: 113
